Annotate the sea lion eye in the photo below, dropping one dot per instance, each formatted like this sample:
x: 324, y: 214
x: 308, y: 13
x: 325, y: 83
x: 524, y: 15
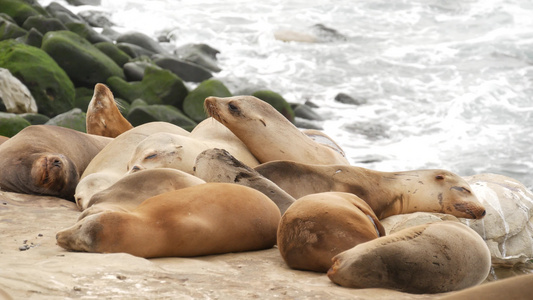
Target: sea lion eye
x: 439, y: 177
x: 151, y: 156
x: 233, y: 107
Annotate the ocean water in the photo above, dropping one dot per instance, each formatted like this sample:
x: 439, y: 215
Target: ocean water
x: 446, y: 84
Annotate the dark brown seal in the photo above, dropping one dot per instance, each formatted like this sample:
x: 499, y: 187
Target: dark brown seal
x: 47, y: 160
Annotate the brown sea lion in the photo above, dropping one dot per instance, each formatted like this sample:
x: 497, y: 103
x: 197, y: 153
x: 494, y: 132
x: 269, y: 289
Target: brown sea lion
x: 47, y: 160
x: 204, y: 219
x: 387, y: 193
x: 517, y: 288
x: 430, y: 258
x: 319, y: 226
x: 103, y: 116
x: 131, y: 190
x: 111, y: 163
x: 267, y: 133
x: 218, y: 165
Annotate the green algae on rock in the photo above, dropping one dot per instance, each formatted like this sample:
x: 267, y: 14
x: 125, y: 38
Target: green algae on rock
x: 151, y: 113
x: 83, y: 62
x: 49, y: 85
x: 11, y: 124
x: 193, y: 105
x: 277, y: 101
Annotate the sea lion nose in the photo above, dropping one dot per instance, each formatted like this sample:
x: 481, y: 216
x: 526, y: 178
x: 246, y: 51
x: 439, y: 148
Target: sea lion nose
x: 56, y: 163
x: 484, y: 213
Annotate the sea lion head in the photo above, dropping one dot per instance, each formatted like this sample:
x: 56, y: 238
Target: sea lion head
x: 240, y: 109
x: 53, y: 174
x: 82, y: 236
x: 159, y: 150
x: 103, y: 114
x: 454, y: 195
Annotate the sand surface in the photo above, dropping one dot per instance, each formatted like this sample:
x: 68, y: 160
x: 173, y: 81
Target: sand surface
x: 32, y: 266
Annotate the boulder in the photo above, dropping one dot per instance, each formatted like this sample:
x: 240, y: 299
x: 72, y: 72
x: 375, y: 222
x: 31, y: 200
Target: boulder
x: 59, y: 11
x: 305, y: 112
x: 49, y: 85
x: 11, y: 124
x: 73, y: 119
x: 200, y: 54
x: 118, y: 56
x: 83, y: 62
x: 19, y: 10
x: 88, y: 33
x: 141, y: 40
x: 277, y: 101
x: 9, y: 30
x: 83, y: 98
x: 134, y: 50
x: 15, y: 95
x: 193, y: 105
x: 96, y: 18
x: 347, y: 99
x: 134, y: 70
x: 35, y: 119
x: 43, y: 24
x: 32, y: 38
x: 185, y: 70
x: 151, y: 113
x: 158, y: 86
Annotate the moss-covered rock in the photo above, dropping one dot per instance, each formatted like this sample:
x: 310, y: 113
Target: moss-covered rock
x: 11, y: 124
x: 10, y: 30
x: 166, y: 113
x: 134, y: 70
x: 193, y: 106
x: 157, y: 87
x: 185, y: 70
x: 118, y: 56
x: 35, y: 119
x: 48, y: 83
x: 277, y: 101
x: 73, y: 119
x: 134, y: 50
x: 83, y: 62
x: 200, y: 54
x: 19, y: 10
x: 43, y: 24
x: 59, y: 11
x: 83, y: 98
x: 142, y: 40
x: 88, y: 33
x: 32, y: 38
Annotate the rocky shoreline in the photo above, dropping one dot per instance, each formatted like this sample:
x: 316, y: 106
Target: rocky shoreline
x: 51, y: 59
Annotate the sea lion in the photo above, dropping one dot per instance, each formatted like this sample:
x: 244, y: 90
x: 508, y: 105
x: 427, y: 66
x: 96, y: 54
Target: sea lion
x: 103, y: 116
x: 112, y: 162
x: 166, y: 150
x: 430, y: 258
x: 210, y: 218
x: 3, y: 139
x: 387, y: 193
x: 47, y: 160
x: 324, y: 139
x: 131, y: 190
x: 218, y: 165
x: 516, y: 287
x: 267, y: 133
x: 319, y: 226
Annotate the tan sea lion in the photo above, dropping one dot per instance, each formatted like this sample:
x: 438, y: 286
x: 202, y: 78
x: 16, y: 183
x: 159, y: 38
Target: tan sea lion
x: 3, y: 139
x: 103, y: 116
x: 204, y: 219
x: 131, y: 190
x: 430, y: 258
x: 47, y: 160
x: 517, y: 288
x: 111, y: 163
x: 267, y: 133
x: 387, y: 193
x: 218, y: 165
x: 319, y: 226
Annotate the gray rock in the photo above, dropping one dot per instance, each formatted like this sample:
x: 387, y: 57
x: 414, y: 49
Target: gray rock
x: 187, y: 71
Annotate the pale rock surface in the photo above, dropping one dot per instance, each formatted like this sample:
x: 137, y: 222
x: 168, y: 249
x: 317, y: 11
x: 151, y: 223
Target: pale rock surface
x: 15, y: 95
